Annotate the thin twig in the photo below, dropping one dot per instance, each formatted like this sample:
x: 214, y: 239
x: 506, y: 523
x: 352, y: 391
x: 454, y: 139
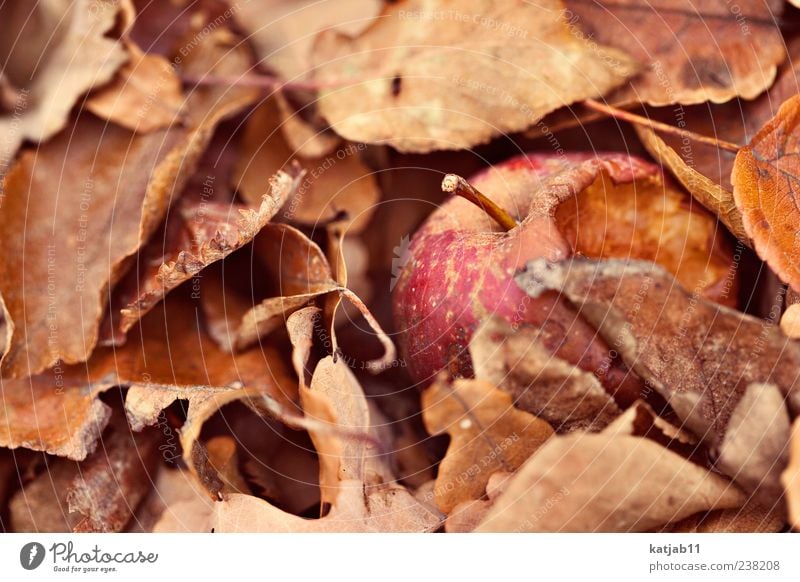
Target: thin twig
x: 617, y: 113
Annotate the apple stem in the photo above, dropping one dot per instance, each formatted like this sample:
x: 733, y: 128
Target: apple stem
x: 454, y: 184
x: 618, y: 113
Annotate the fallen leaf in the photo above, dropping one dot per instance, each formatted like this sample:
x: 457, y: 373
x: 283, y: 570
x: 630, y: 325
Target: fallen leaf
x: 98, y: 494
x: 145, y: 96
x: 723, y: 52
x: 197, y: 233
x: 556, y: 391
x: 750, y: 518
x: 791, y: 478
x: 421, y: 82
x: 704, y: 170
x: 64, y: 53
x: 754, y: 449
x: 699, y: 356
x: 487, y: 435
x: 467, y: 515
x: 600, y: 483
x: 790, y: 321
x: 763, y: 177
x: 336, y: 182
x: 54, y: 281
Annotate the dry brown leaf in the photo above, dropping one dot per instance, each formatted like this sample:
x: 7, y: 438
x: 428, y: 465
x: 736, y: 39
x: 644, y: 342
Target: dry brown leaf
x: 98, y: 494
x: 692, y: 51
x: 699, y: 356
x: 160, y: 362
x: 751, y: 518
x: 487, y: 435
x: 705, y: 170
x: 197, y: 233
x: 283, y: 32
x: 791, y: 478
x: 754, y: 449
x: 421, y: 82
x: 335, y: 182
x: 596, y: 482
x: 145, y: 96
x: 790, y: 321
x: 54, y: 281
x: 764, y: 179
x: 541, y: 383
x: 64, y: 52
x: 466, y: 516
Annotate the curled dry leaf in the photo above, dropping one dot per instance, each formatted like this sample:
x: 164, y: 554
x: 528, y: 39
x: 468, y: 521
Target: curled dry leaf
x: 701, y: 357
x: 110, y: 175
x: 791, y: 478
x: 597, y: 482
x: 160, y: 364
x: 335, y: 182
x: 364, y: 499
x: 145, y: 96
x: 197, y: 233
x: 705, y: 170
x: 764, y: 176
x: 750, y: 518
x: 719, y: 58
x: 65, y: 53
x: 98, y: 494
x: 487, y: 435
x: 420, y: 82
x: 790, y: 321
x: 558, y: 392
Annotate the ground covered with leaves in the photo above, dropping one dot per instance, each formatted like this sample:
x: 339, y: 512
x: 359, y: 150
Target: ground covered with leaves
x: 247, y: 287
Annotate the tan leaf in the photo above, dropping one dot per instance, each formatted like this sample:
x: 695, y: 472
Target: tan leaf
x: 52, y: 53
x: 120, y: 186
x: 98, y: 494
x: 764, y: 178
x: 750, y: 518
x: 421, y: 82
x: 700, y: 356
x: 556, y: 391
x: 197, y: 234
x: 724, y: 52
x: 487, y: 435
x: 334, y: 182
x: 791, y: 478
x: 596, y: 482
x: 145, y: 96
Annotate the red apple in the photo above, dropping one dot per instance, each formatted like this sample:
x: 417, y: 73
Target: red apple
x: 462, y: 261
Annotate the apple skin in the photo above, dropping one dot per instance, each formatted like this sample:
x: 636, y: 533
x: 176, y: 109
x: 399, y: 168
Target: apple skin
x: 461, y: 267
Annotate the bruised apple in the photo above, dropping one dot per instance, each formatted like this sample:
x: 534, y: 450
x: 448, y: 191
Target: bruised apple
x: 463, y: 258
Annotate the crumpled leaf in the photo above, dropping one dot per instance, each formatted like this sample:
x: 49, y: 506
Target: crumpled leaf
x: 541, y: 383
x: 705, y: 170
x: 52, y: 53
x: 98, y: 494
x: 466, y: 516
x: 334, y: 183
x: 699, y: 356
x: 487, y: 435
x: 420, y: 82
x: 791, y: 478
x: 54, y: 281
x: 364, y: 499
x: 600, y: 483
x: 718, y: 57
x: 57, y: 411
x: 754, y: 448
x: 145, y: 96
x: 764, y: 177
x: 197, y: 233
x: 750, y: 518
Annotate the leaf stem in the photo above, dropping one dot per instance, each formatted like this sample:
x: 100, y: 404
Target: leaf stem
x: 618, y: 113
x: 454, y: 184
